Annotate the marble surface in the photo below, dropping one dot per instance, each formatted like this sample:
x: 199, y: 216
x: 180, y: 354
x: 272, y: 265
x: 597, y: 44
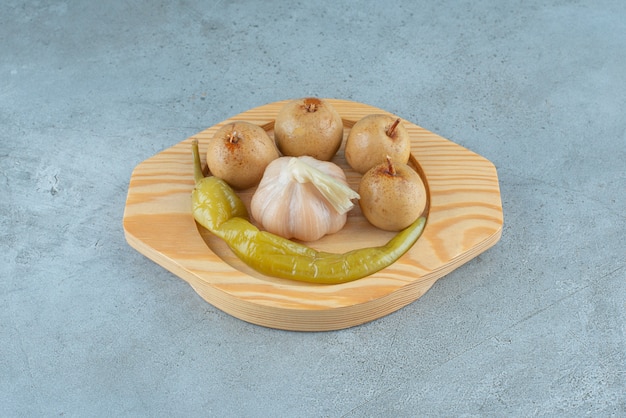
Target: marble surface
x: 535, y: 326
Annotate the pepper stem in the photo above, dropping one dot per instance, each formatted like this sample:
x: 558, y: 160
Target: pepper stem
x: 197, y: 165
x: 392, y: 128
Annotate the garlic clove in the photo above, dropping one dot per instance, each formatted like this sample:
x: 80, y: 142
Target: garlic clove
x: 295, y: 198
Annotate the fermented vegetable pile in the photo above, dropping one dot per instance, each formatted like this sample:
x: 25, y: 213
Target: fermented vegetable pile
x: 217, y: 208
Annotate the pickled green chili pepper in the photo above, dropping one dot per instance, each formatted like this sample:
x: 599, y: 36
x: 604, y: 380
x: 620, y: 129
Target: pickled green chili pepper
x: 216, y: 207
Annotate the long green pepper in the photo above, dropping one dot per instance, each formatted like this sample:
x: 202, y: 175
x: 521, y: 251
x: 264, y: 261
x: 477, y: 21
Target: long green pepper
x: 217, y: 208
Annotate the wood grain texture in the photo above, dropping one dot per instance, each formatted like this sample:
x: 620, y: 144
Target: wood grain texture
x: 465, y: 218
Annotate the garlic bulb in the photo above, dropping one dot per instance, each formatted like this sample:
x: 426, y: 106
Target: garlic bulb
x: 302, y: 198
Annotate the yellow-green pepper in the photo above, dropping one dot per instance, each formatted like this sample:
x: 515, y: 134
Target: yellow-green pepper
x: 216, y: 207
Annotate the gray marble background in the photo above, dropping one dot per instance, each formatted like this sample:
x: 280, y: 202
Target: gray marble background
x: 533, y: 327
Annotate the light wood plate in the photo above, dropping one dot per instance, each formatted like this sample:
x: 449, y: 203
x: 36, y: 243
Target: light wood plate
x: 465, y: 218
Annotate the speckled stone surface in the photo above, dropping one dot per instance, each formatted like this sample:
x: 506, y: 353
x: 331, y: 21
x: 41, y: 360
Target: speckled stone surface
x: 536, y: 326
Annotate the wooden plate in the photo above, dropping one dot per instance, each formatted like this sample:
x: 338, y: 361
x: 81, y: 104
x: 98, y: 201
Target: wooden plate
x: 465, y: 218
